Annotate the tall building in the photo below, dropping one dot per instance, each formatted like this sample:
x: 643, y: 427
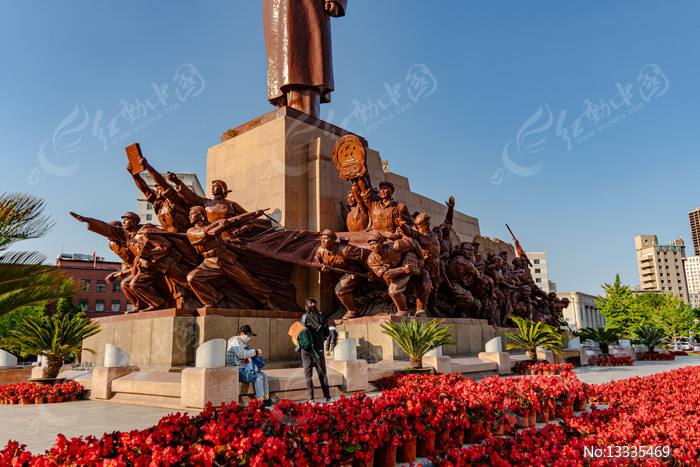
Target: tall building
x: 145, y: 209
x: 539, y: 271
x: 661, y: 267
x: 582, y: 311
x: 694, y: 217
x: 692, y: 277
x: 103, y: 299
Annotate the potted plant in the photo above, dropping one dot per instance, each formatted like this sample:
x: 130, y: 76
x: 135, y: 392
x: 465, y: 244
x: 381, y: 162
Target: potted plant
x: 417, y: 339
x: 604, y: 337
x: 55, y: 337
x: 650, y: 337
x: 533, y: 335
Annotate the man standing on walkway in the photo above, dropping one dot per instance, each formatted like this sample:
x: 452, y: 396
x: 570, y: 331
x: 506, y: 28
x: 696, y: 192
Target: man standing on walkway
x: 238, y: 354
x: 317, y: 325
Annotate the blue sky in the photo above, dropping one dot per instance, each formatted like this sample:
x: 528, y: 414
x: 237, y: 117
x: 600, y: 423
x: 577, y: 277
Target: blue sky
x: 574, y: 122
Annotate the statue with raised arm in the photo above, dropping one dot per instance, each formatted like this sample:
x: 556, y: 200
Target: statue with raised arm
x: 119, y: 243
x: 155, y: 258
x: 219, y: 260
x: 170, y: 208
x: 218, y: 207
x: 298, y: 46
x: 358, y: 219
x: 382, y: 208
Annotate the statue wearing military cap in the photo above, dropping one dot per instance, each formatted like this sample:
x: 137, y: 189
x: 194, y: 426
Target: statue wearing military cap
x: 344, y: 258
x: 382, y: 209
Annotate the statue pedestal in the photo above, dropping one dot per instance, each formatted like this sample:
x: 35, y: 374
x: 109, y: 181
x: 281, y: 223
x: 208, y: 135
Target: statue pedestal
x: 283, y: 161
x: 373, y: 345
x: 166, y: 340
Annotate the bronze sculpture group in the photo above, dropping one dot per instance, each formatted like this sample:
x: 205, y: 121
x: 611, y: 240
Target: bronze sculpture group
x: 212, y: 253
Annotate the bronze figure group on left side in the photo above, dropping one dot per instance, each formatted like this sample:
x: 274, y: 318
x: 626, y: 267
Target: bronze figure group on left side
x: 191, y: 255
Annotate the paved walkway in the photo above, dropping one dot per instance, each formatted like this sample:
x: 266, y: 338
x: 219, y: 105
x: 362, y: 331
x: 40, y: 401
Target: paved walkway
x: 37, y: 425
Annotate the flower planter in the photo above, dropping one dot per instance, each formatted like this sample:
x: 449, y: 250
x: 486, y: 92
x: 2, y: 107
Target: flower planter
x: 442, y: 438
x: 579, y: 404
x: 407, y: 451
x: 385, y: 455
x: 457, y: 436
x: 533, y: 417
x: 366, y: 461
x: 73, y: 397
x: 498, y: 427
x: 475, y: 433
x: 543, y: 416
x: 59, y: 398
x: 425, y: 446
x: 552, y: 412
x: 558, y: 410
x: 522, y: 421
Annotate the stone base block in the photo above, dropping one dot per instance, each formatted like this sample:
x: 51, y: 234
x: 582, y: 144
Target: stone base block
x: 102, y: 378
x: 546, y: 355
x: 354, y: 374
x: 441, y: 364
x: 502, y: 359
x: 202, y: 385
x: 38, y: 371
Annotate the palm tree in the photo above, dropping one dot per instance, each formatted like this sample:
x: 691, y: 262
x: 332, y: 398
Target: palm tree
x: 604, y: 337
x: 533, y: 335
x: 651, y: 337
x: 24, y: 281
x: 417, y: 339
x: 55, y: 337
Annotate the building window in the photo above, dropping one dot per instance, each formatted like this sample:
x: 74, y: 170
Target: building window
x: 129, y: 306
x: 537, y: 271
x: 538, y: 280
x: 116, y: 305
x: 85, y: 285
x: 82, y: 306
x: 149, y: 217
x: 117, y: 286
x: 537, y: 261
x: 99, y: 305
x: 149, y: 206
x: 101, y: 286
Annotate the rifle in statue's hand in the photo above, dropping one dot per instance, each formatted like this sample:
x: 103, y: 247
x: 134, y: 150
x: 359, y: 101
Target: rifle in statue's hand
x: 521, y: 252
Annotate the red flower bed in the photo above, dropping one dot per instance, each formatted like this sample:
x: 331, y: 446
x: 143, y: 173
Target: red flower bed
x: 608, y: 360
x: 543, y: 368
x: 659, y: 411
x: 655, y: 357
x: 651, y: 421
x: 30, y: 393
x: 680, y: 353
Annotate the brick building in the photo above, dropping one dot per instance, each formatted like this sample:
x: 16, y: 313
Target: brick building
x: 103, y: 299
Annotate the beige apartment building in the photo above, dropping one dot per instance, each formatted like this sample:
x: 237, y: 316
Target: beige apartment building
x: 582, y: 311
x: 692, y: 277
x: 661, y: 267
x: 694, y: 217
x: 539, y: 272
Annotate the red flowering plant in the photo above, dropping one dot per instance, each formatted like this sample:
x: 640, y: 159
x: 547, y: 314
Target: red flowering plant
x: 356, y: 428
x: 605, y: 360
x: 655, y: 357
x: 29, y: 393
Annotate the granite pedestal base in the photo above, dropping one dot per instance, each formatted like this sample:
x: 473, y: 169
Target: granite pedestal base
x: 373, y: 345
x: 166, y: 340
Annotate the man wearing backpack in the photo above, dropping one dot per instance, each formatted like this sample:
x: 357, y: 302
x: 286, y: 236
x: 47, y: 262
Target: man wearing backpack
x: 317, y: 326
x: 238, y: 354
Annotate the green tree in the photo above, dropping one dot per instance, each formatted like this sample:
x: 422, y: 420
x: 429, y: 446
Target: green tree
x: 417, y: 339
x: 533, y: 335
x: 673, y: 317
x: 617, y: 307
x: 24, y: 280
x: 56, y: 337
x: 9, y: 321
x: 604, y: 337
